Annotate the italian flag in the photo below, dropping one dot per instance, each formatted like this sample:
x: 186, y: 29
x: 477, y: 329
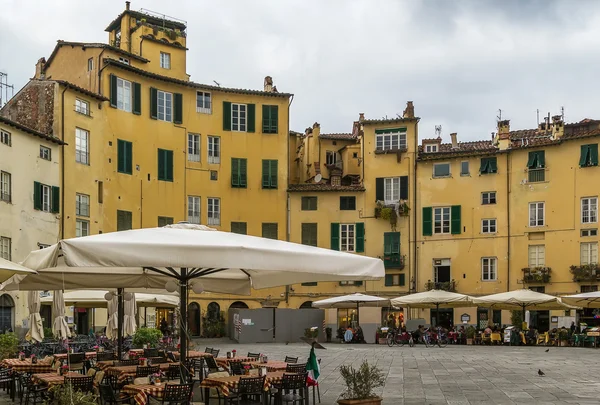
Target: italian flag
x: 312, y: 366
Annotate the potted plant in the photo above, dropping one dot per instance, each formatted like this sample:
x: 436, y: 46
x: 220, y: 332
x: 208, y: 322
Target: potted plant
x: 311, y: 332
x: 9, y: 345
x: 328, y: 332
x: 378, y: 208
x: 470, y: 334
x: 146, y: 336
x: 563, y: 336
x: 360, y: 384
x: 64, y: 394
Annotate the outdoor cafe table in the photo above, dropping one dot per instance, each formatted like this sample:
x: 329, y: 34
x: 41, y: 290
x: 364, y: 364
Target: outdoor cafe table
x: 192, y: 354
x: 270, y: 365
x: 136, y: 352
x: 126, y: 372
x: 63, y: 356
x: 50, y: 379
x: 141, y: 392
x: 226, y: 384
x: 224, y: 361
x: 25, y: 366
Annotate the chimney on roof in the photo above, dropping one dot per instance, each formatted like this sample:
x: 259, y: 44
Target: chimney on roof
x: 268, y: 84
x: 454, y: 140
x: 39, y: 68
x: 504, y: 129
x: 361, y: 117
x: 409, y: 112
x: 127, y: 4
x: 558, y: 127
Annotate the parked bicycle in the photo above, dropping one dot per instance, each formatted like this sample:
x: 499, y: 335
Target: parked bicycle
x: 395, y: 337
x: 433, y: 338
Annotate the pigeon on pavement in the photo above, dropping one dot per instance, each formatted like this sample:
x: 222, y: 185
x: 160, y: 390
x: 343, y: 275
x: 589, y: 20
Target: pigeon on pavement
x: 541, y: 373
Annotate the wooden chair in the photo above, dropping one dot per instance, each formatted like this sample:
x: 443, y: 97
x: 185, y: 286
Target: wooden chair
x: 289, y: 359
x: 174, y: 394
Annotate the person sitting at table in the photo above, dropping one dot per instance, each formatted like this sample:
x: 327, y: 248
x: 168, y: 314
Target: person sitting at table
x: 359, y: 337
x: 348, y: 335
x: 488, y: 330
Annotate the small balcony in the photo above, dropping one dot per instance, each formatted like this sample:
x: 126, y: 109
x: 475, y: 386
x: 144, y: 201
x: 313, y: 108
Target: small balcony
x: 585, y: 273
x: 536, y: 175
x: 536, y: 275
x: 446, y: 286
x: 394, y: 261
x: 335, y: 165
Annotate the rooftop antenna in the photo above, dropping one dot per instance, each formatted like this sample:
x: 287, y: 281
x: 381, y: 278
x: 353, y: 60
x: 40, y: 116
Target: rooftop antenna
x: 499, y: 114
x: 217, y: 83
x: 438, y: 131
x: 538, y: 117
x: 562, y: 113
x: 5, y: 89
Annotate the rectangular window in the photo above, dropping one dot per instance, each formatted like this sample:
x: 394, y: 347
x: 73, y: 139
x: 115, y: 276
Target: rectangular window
x: 100, y: 192
x: 165, y: 60
x: 165, y: 165
x: 82, y: 228
x: 536, y: 214
x: 238, y: 173
x: 589, y: 155
x: 164, y: 221
x: 82, y: 205
x: 350, y: 283
x: 394, y: 280
x: 331, y: 158
x: 123, y: 95
x: 391, y: 250
x: 5, y: 248
x: 46, y: 198
x: 488, y: 225
x: 45, y: 153
x: 5, y: 186
x: 239, y: 227
x: 90, y: 64
x: 82, y: 107
x: 193, y: 147
x: 441, y: 220
x: 203, y: 102
x: 488, y: 166
x: 124, y: 220
x: 309, y: 203
x: 489, y: 269
x: 390, y: 139
x: 536, y: 164
x: 270, y: 119
x: 347, y: 237
x: 537, y: 256
x: 309, y: 234
x: 193, y: 210
x: 589, y: 253
x: 441, y: 170
x: 5, y: 137
x: 164, y: 105
x: 464, y: 168
x: 124, y: 60
x: 269, y: 174
x: 214, y: 211
x: 589, y: 288
x: 431, y: 148
x: 347, y: 203
x: 589, y: 210
x: 391, y: 190
x: 82, y: 146
x: 589, y: 232
x: 124, y: 156
x: 238, y: 117
x: 489, y: 197
x: 269, y: 230
x: 214, y: 149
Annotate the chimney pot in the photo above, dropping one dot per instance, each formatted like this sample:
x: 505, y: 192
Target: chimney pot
x: 361, y: 117
x: 39, y: 68
x: 454, y: 140
x: 127, y: 4
x: 409, y: 112
x: 268, y: 84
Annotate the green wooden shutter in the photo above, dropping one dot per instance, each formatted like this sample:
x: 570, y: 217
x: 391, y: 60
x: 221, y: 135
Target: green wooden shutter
x: 273, y: 173
x: 128, y: 157
x: 55, y: 199
x: 169, y: 164
x: 427, y: 221
x: 359, y: 233
x: 161, y: 164
x: 243, y: 173
x: 335, y: 236
x: 484, y: 165
x: 137, y: 98
x: 226, y: 116
x: 492, y: 166
x: 379, y: 189
x: 120, y: 156
x: 455, y: 224
x: 531, y: 160
x: 235, y: 172
x: 37, y: 195
x: 389, y: 280
x: 387, y: 243
x: 395, y: 243
x: 583, y: 159
x: 402, y: 280
x: 274, y: 119
x: 266, y: 119
x: 541, y: 159
x: 177, y: 108
x: 250, y: 121
x: 593, y: 154
x: 404, y: 187
x: 153, y: 103
x: 266, y: 175
x: 113, y: 90
x: 358, y: 283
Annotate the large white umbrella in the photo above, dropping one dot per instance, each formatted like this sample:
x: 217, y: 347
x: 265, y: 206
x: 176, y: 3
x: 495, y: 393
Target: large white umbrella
x: 586, y: 300
x: 9, y: 269
x: 36, y: 327
x: 129, y: 324
x: 96, y: 299
x: 59, y: 326
x: 355, y: 300
x: 433, y: 299
x: 112, y: 321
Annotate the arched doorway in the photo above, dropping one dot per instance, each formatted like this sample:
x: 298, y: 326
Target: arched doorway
x: 6, y: 312
x: 239, y: 304
x: 194, y: 318
x: 213, y: 324
x: 306, y: 305
x: 213, y: 311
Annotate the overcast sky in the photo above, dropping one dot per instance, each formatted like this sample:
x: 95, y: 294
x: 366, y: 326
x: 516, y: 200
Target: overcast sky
x: 459, y: 61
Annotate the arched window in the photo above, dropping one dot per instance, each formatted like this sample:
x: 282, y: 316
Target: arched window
x: 213, y: 311
x: 6, y: 312
x: 306, y: 305
x: 239, y: 304
x: 194, y: 318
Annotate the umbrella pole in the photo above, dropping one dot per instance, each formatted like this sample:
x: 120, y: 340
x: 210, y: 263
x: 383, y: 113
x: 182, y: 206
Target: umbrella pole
x: 183, y: 291
x: 357, y: 318
x: 523, y: 317
x: 120, y: 323
x: 437, y: 314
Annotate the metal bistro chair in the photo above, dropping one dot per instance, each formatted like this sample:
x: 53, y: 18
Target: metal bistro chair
x: 173, y: 372
x: 145, y: 371
x: 208, y: 350
x: 289, y: 359
x: 37, y: 394
x: 212, y: 366
x: 105, y: 356
x: 253, y: 355
x: 293, y: 390
x: 174, y: 394
x: 109, y: 397
x: 250, y: 391
x: 295, y: 368
x: 124, y: 363
x: 111, y: 377
x: 76, y: 362
x: 215, y: 352
x: 236, y: 368
x: 84, y: 384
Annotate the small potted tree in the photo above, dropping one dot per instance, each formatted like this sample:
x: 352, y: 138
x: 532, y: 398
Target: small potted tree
x: 563, y: 336
x: 148, y: 337
x: 328, y: 332
x: 360, y: 385
x: 470, y: 334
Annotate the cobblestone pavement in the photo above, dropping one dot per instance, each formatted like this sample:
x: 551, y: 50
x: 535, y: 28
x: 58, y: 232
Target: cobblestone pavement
x: 454, y: 375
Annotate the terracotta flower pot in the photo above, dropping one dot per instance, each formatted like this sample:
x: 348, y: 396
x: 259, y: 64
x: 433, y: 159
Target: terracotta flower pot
x: 368, y: 401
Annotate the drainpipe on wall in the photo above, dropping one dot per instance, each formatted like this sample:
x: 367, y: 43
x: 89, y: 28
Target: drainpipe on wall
x: 62, y: 158
x: 415, y: 260
x: 288, y: 202
x: 508, y: 170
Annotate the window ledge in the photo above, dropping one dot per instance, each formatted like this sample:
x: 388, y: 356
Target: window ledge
x: 388, y: 151
x: 489, y: 281
x: 84, y: 114
x: 203, y: 110
x: 465, y: 175
x: 442, y: 177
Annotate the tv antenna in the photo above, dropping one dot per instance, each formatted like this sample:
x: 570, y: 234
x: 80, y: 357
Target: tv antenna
x: 538, y: 116
x: 5, y: 89
x: 499, y: 115
x: 438, y: 131
x: 562, y: 113
x: 217, y: 83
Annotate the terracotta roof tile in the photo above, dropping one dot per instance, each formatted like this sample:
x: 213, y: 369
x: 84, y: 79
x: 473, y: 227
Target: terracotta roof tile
x: 323, y: 188
x: 61, y: 43
x: 341, y: 136
x: 151, y: 19
x: 80, y: 89
x: 30, y: 131
x: 464, y: 149
x: 390, y: 120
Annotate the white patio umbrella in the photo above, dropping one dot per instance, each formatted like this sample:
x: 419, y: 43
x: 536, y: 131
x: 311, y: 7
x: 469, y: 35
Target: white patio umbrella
x: 433, y: 299
x: 96, y: 299
x: 585, y: 300
x: 9, y: 269
x: 184, y: 253
x: 36, y: 327
x: 112, y: 322
x: 355, y: 300
x: 59, y: 326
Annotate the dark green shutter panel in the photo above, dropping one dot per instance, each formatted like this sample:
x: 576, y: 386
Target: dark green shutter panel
x: 266, y: 178
x: 274, y: 171
x: 402, y: 280
x: 531, y: 160
x: 594, y: 154
x: 541, y: 159
x: 492, y: 166
x: 387, y: 243
x: 251, y: 117
x: 55, y: 199
x: 137, y: 98
x: 396, y: 243
x: 379, y: 192
x: 235, y: 172
x: 161, y: 165
x: 169, y: 163
x: 37, y: 195
x: 389, y: 280
x: 243, y: 173
x: 153, y: 103
x: 404, y: 187
x: 266, y: 119
x: 484, y: 165
x: 274, y: 119
x: 113, y: 90
x: 427, y: 221
x: 583, y: 159
x: 120, y: 156
x: 128, y: 157
x: 335, y: 236
x: 178, y: 108
x: 455, y: 224
x: 358, y: 283
x: 226, y: 116
x: 360, y: 237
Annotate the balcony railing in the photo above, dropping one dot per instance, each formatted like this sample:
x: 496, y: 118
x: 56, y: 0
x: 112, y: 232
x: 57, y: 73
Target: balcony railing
x: 586, y: 272
x: 446, y: 286
x: 394, y: 261
x: 336, y: 165
x: 536, y: 275
x: 537, y: 175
